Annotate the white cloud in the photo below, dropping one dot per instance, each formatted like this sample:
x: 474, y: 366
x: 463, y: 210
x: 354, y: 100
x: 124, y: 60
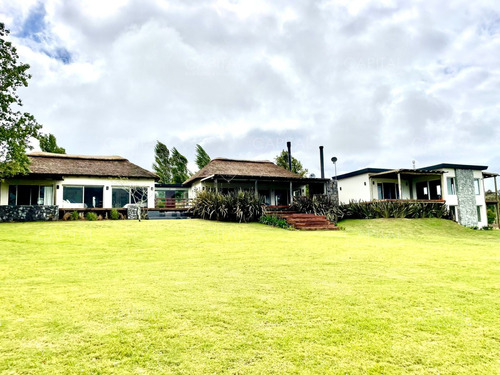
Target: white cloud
x: 377, y: 84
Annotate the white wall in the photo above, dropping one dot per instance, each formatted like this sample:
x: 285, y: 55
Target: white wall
x: 82, y: 181
x: 108, y: 184
x: 355, y: 188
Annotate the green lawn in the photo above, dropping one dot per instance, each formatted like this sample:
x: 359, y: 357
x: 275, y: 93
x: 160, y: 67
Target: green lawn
x: 189, y: 296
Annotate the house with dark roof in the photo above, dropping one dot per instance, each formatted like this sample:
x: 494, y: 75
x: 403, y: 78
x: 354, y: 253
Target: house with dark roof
x: 274, y: 184
x: 459, y: 186
x: 78, y: 181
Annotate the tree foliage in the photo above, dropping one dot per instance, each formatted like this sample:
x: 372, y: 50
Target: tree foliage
x: 48, y: 143
x: 202, y: 157
x: 179, y: 162
x: 162, y: 163
x: 16, y: 127
x: 282, y: 161
x: 170, y: 165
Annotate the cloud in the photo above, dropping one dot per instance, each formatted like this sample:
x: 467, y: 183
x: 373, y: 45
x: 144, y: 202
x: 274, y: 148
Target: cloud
x: 377, y: 84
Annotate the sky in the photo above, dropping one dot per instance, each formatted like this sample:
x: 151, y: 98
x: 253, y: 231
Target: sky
x: 378, y: 84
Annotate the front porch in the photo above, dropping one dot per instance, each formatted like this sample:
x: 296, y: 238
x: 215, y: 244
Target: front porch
x: 407, y: 185
x: 272, y: 191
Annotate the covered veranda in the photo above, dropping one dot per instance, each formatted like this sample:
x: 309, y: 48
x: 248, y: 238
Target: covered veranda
x: 407, y: 184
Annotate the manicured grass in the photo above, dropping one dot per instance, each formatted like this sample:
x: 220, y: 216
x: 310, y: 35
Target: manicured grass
x: 190, y: 296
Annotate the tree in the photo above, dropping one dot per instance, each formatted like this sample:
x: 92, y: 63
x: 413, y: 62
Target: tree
x: 162, y: 166
x: 48, y: 143
x: 282, y: 161
x: 180, y: 172
x: 202, y: 157
x: 16, y: 127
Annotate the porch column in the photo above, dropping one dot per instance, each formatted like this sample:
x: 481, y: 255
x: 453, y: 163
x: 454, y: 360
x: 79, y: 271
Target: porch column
x: 400, y: 189
x: 256, y: 189
x: 291, y: 193
x: 216, y: 187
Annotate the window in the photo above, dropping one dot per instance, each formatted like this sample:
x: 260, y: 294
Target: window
x: 452, y: 190
x: 479, y: 214
x: 86, y: 196
x: 387, y: 190
x: 476, y: 186
x: 73, y: 194
x: 121, y: 196
x: 27, y: 195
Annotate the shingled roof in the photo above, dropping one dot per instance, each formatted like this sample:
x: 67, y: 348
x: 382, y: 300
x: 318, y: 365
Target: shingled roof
x: 244, y: 169
x: 48, y: 164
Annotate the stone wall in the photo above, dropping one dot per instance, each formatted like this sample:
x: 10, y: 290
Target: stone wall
x: 466, y: 195
x: 28, y: 213
x: 332, y: 190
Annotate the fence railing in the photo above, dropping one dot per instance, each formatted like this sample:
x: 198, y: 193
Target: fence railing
x: 172, y: 203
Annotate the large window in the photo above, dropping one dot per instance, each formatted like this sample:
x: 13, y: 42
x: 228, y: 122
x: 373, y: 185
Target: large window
x: 83, y: 196
x: 387, y: 190
x: 27, y: 195
x: 452, y: 189
x: 124, y: 195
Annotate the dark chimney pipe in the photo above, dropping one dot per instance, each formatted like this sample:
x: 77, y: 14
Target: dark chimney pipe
x: 289, y: 145
x: 322, y: 161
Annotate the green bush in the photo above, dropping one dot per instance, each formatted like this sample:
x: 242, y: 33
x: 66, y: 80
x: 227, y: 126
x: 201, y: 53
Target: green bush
x: 321, y: 205
x: 114, y: 215
x: 274, y: 221
x: 91, y: 216
x: 388, y: 209
x: 75, y: 215
x: 241, y: 206
x: 491, y: 216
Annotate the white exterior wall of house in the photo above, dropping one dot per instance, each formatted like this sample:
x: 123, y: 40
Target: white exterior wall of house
x: 107, y: 183
x: 355, y: 188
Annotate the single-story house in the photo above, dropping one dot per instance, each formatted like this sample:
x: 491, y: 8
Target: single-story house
x: 274, y: 184
x: 459, y: 186
x: 77, y: 181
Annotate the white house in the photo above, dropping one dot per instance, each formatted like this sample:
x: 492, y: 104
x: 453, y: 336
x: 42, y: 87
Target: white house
x: 77, y: 181
x: 459, y: 186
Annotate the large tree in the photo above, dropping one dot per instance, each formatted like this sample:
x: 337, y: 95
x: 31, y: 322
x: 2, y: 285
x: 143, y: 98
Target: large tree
x: 162, y: 166
x: 179, y: 162
x: 282, y: 161
x: 202, y: 157
x: 16, y: 127
x: 48, y: 143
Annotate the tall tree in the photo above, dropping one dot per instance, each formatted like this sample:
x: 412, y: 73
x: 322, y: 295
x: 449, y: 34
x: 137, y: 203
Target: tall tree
x: 48, y: 143
x: 180, y: 172
x: 282, y: 161
x: 162, y: 165
x: 202, y: 157
x: 16, y: 127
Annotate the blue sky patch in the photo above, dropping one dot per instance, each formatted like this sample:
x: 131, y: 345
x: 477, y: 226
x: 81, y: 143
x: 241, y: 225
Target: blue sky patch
x: 35, y: 29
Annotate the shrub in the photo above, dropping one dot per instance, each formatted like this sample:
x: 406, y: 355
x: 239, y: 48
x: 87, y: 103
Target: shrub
x: 321, y: 205
x: 114, y: 215
x: 75, y: 215
x: 388, y: 209
x: 274, y: 221
x: 241, y: 206
x: 91, y: 216
x: 491, y: 216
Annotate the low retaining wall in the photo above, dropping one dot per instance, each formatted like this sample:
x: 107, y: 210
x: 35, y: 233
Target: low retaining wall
x: 28, y: 213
